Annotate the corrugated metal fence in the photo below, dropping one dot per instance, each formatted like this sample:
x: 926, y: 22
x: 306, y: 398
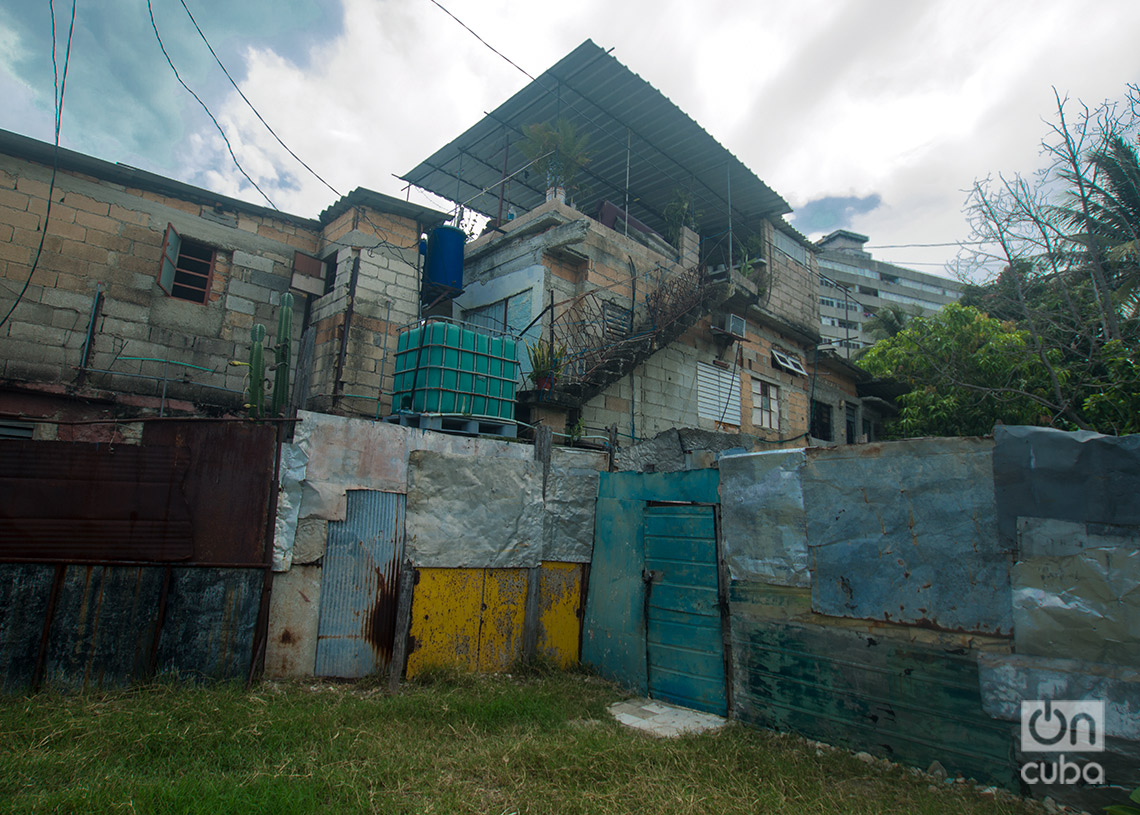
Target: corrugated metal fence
x: 120, y: 562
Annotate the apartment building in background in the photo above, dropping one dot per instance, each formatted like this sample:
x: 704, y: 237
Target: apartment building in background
x: 853, y: 286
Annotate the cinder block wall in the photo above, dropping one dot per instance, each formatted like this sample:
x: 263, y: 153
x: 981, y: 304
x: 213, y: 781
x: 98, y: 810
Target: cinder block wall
x: 106, y: 235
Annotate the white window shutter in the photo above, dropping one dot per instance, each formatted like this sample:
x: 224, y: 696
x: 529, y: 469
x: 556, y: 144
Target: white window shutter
x: 171, y: 246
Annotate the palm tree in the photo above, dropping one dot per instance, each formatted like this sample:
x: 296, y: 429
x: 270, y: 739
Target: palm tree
x: 888, y: 321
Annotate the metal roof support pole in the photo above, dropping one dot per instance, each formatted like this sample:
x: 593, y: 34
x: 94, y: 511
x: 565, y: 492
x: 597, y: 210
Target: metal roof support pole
x: 728, y: 181
x: 628, y: 139
x: 503, y: 180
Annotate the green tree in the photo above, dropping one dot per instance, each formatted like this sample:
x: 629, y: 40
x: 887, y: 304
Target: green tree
x: 967, y: 372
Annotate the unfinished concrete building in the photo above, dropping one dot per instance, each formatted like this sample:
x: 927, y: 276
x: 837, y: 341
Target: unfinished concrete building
x: 663, y: 275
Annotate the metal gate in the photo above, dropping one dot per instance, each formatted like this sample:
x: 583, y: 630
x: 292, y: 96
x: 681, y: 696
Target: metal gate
x: 684, y: 646
x: 359, y: 580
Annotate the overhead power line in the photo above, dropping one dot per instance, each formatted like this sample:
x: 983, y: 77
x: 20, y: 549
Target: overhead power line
x: 229, y: 147
x: 60, y: 87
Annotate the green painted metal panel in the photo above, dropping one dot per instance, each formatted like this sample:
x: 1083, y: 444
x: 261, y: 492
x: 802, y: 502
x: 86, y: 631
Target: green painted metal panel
x: 614, y: 627
x: 909, y: 701
x: 684, y: 649
x: 613, y: 634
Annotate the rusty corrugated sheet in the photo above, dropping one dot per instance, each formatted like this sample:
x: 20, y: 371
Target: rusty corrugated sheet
x: 66, y: 501
x: 227, y: 485
x: 359, y: 585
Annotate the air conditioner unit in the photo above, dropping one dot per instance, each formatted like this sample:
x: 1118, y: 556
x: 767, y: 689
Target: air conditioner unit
x: 735, y: 325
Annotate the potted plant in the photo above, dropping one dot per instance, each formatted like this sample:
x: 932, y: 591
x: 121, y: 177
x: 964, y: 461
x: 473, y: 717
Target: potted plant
x: 546, y: 360
x: 557, y: 153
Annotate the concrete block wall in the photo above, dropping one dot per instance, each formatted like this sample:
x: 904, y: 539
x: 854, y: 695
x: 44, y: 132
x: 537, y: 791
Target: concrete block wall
x: 386, y: 300
x: 664, y: 388
x: 105, y: 235
x: 793, y: 293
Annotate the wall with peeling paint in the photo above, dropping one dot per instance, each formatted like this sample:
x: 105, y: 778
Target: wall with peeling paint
x: 497, y: 543
x: 904, y: 598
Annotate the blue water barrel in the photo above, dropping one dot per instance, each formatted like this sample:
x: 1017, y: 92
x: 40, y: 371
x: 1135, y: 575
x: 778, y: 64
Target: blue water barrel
x: 445, y: 256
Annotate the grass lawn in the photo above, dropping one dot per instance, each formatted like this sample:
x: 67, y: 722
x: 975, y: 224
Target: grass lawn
x: 529, y: 744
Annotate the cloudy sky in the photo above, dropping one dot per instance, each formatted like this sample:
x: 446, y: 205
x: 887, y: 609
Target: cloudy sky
x: 870, y: 115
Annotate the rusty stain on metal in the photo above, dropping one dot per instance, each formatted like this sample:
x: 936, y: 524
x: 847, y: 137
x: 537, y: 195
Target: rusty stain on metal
x: 358, y: 585
x: 560, y: 612
x: 66, y: 501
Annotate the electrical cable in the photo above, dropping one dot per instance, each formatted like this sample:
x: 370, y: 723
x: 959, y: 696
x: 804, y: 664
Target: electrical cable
x: 60, y: 87
x: 251, y: 107
x: 280, y: 141
x: 229, y: 147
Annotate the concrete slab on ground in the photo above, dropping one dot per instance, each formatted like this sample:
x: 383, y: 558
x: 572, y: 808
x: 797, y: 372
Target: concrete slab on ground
x: 662, y: 719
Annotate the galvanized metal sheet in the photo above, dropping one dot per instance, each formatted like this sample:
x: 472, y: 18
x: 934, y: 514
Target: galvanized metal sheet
x: 227, y: 485
x: 568, y: 532
x: 1007, y: 680
x: 69, y: 501
x: 359, y: 586
x: 446, y: 617
x: 293, y: 463
x: 103, y: 629
x: 560, y: 612
x: 1049, y: 537
x: 211, y: 616
x: 906, y: 701
x: 905, y: 532
x: 763, y: 522
x: 684, y: 649
x: 1085, y: 606
x: 347, y: 454
x: 25, y: 594
x: 463, y: 513
x: 1080, y: 476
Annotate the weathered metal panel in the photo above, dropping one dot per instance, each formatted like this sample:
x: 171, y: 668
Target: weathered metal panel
x: 1084, y: 606
x: 69, y: 501
x: 571, y: 492
x: 503, y: 612
x: 905, y: 532
x: 291, y: 643
x: 25, y: 592
x: 684, y: 651
x: 446, y: 614
x: 1081, y: 476
x: 211, y: 615
x: 461, y: 515
x: 903, y: 700
x: 763, y: 522
x: 560, y: 612
x: 358, y: 586
x: 227, y: 485
x: 102, y: 632
x: 292, y: 478
x: 1009, y: 679
x: 613, y: 633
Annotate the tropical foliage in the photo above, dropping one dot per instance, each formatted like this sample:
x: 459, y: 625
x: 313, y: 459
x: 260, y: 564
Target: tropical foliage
x: 1052, y: 337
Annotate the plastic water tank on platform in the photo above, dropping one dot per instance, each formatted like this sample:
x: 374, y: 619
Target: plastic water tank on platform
x: 444, y: 265
x: 443, y: 367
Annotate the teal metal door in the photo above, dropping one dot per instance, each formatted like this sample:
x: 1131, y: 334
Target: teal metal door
x: 684, y: 646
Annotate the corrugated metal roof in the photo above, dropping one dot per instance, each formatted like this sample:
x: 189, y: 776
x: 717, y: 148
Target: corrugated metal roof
x: 608, y: 102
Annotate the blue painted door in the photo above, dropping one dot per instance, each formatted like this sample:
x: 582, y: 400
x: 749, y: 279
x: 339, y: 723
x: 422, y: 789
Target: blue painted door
x: 357, y: 623
x: 684, y: 648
